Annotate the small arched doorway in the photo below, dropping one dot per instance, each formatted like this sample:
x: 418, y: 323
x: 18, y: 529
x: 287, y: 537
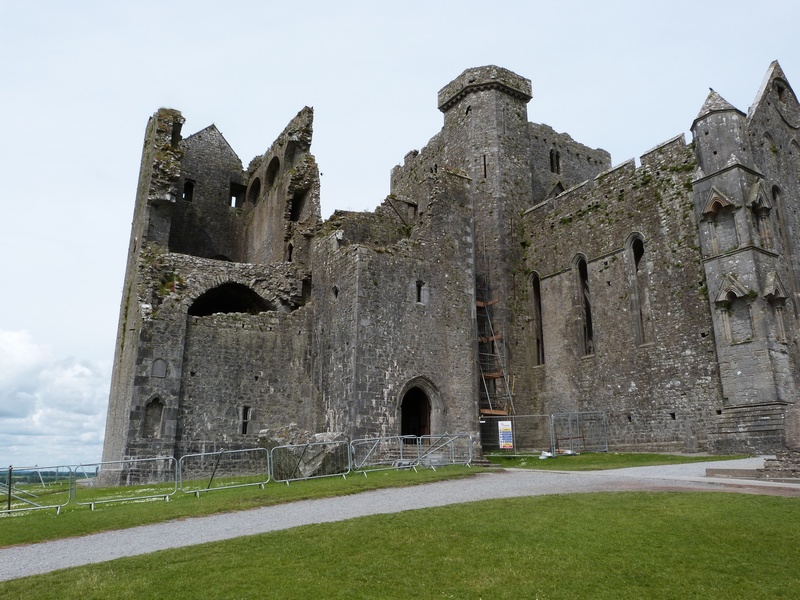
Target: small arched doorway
x: 415, y: 413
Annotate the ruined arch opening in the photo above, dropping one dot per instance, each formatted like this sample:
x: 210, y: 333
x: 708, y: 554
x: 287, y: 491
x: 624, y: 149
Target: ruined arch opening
x: 228, y: 298
x: 255, y: 191
x: 272, y: 172
x: 415, y: 413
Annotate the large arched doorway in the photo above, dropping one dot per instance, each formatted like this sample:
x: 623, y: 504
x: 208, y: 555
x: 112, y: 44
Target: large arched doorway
x: 415, y: 413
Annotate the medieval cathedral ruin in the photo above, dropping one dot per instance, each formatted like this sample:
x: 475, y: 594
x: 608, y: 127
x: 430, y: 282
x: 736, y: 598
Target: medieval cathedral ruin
x: 510, y: 271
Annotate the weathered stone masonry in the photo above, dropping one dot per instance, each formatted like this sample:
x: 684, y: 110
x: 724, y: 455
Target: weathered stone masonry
x: 665, y: 295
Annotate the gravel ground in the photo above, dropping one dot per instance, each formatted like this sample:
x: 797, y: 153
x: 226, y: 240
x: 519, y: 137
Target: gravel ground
x: 33, y: 559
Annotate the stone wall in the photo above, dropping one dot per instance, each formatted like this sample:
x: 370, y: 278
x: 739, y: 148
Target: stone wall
x: 650, y: 365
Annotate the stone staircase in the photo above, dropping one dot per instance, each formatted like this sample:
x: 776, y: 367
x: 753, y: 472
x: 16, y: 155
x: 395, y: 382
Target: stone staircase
x: 753, y: 429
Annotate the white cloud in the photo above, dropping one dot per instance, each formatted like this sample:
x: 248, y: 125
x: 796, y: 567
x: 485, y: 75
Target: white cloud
x: 52, y: 410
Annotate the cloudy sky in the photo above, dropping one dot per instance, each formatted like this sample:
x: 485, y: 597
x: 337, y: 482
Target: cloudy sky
x: 78, y: 81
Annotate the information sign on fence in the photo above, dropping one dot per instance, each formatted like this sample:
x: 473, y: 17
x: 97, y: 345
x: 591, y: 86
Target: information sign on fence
x: 505, y: 435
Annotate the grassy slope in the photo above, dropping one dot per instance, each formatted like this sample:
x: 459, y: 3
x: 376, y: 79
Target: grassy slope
x: 624, y: 545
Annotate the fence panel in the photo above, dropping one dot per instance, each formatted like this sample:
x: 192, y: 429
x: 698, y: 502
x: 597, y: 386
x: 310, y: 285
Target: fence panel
x: 580, y: 432
x: 383, y: 453
x: 440, y: 450
x: 516, y: 435
x: 309, y: 461
x: 223, y: 469
x: 131, y: 480
x: 35, y: 488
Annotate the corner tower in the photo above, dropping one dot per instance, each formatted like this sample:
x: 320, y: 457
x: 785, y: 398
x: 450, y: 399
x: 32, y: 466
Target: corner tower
x: 486, y: 135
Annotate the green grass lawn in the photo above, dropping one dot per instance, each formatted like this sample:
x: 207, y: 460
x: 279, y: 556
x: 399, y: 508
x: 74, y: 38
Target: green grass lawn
x: 594, y: 461
x: 37, y: 526
x: 606, y: 545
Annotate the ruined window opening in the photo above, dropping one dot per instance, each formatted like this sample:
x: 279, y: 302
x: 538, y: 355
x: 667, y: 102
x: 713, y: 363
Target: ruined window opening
x: 415, y: 414
x: 272, y: 173
x: 188, y: 190
x: 176, y: 133
x: 159, y: 368
x: 584, y: 309
x: 153, y: 413
x: 484, y: 166
x: 228, y: 298
x: 237, y: 195
x: 673, y: 416
x: 555, y: 161
x: 305, y: 293
x: 640, y: 291
x: 245, y: 419
x: 335, y: 292
x: 420, y: 292
x: 538, y: 329
x: 289, y: 252
x: 255, y: 191
x: 298, y: 204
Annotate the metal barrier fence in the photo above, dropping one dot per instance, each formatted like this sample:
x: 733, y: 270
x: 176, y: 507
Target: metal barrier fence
x: 408, y: 451
x: 134, y: 479
x: 580, y: 432
x: 517, y: 435
x: 35, y: 488
x: 440, y: 450
x: 142, y: 479
x: 383, y: 453
x: 223, y: 469
x: 309, y: 461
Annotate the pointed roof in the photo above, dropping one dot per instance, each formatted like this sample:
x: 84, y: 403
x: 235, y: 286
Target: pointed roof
x: 213, y: 133
x: 714, y: 103
x: 774, y: 71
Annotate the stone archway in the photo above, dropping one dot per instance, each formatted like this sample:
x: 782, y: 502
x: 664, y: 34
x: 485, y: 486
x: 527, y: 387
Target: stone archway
x: 415, y: 413
x: 420, y: 409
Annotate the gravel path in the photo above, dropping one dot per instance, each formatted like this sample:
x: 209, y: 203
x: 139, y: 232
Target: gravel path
x: 33, y: 559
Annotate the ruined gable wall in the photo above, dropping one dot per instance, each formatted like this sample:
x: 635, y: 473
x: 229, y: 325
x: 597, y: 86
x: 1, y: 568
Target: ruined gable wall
x: 207, y: 225
x: 283, y: 195
x: 640, y: 387
x: 774, y: 141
